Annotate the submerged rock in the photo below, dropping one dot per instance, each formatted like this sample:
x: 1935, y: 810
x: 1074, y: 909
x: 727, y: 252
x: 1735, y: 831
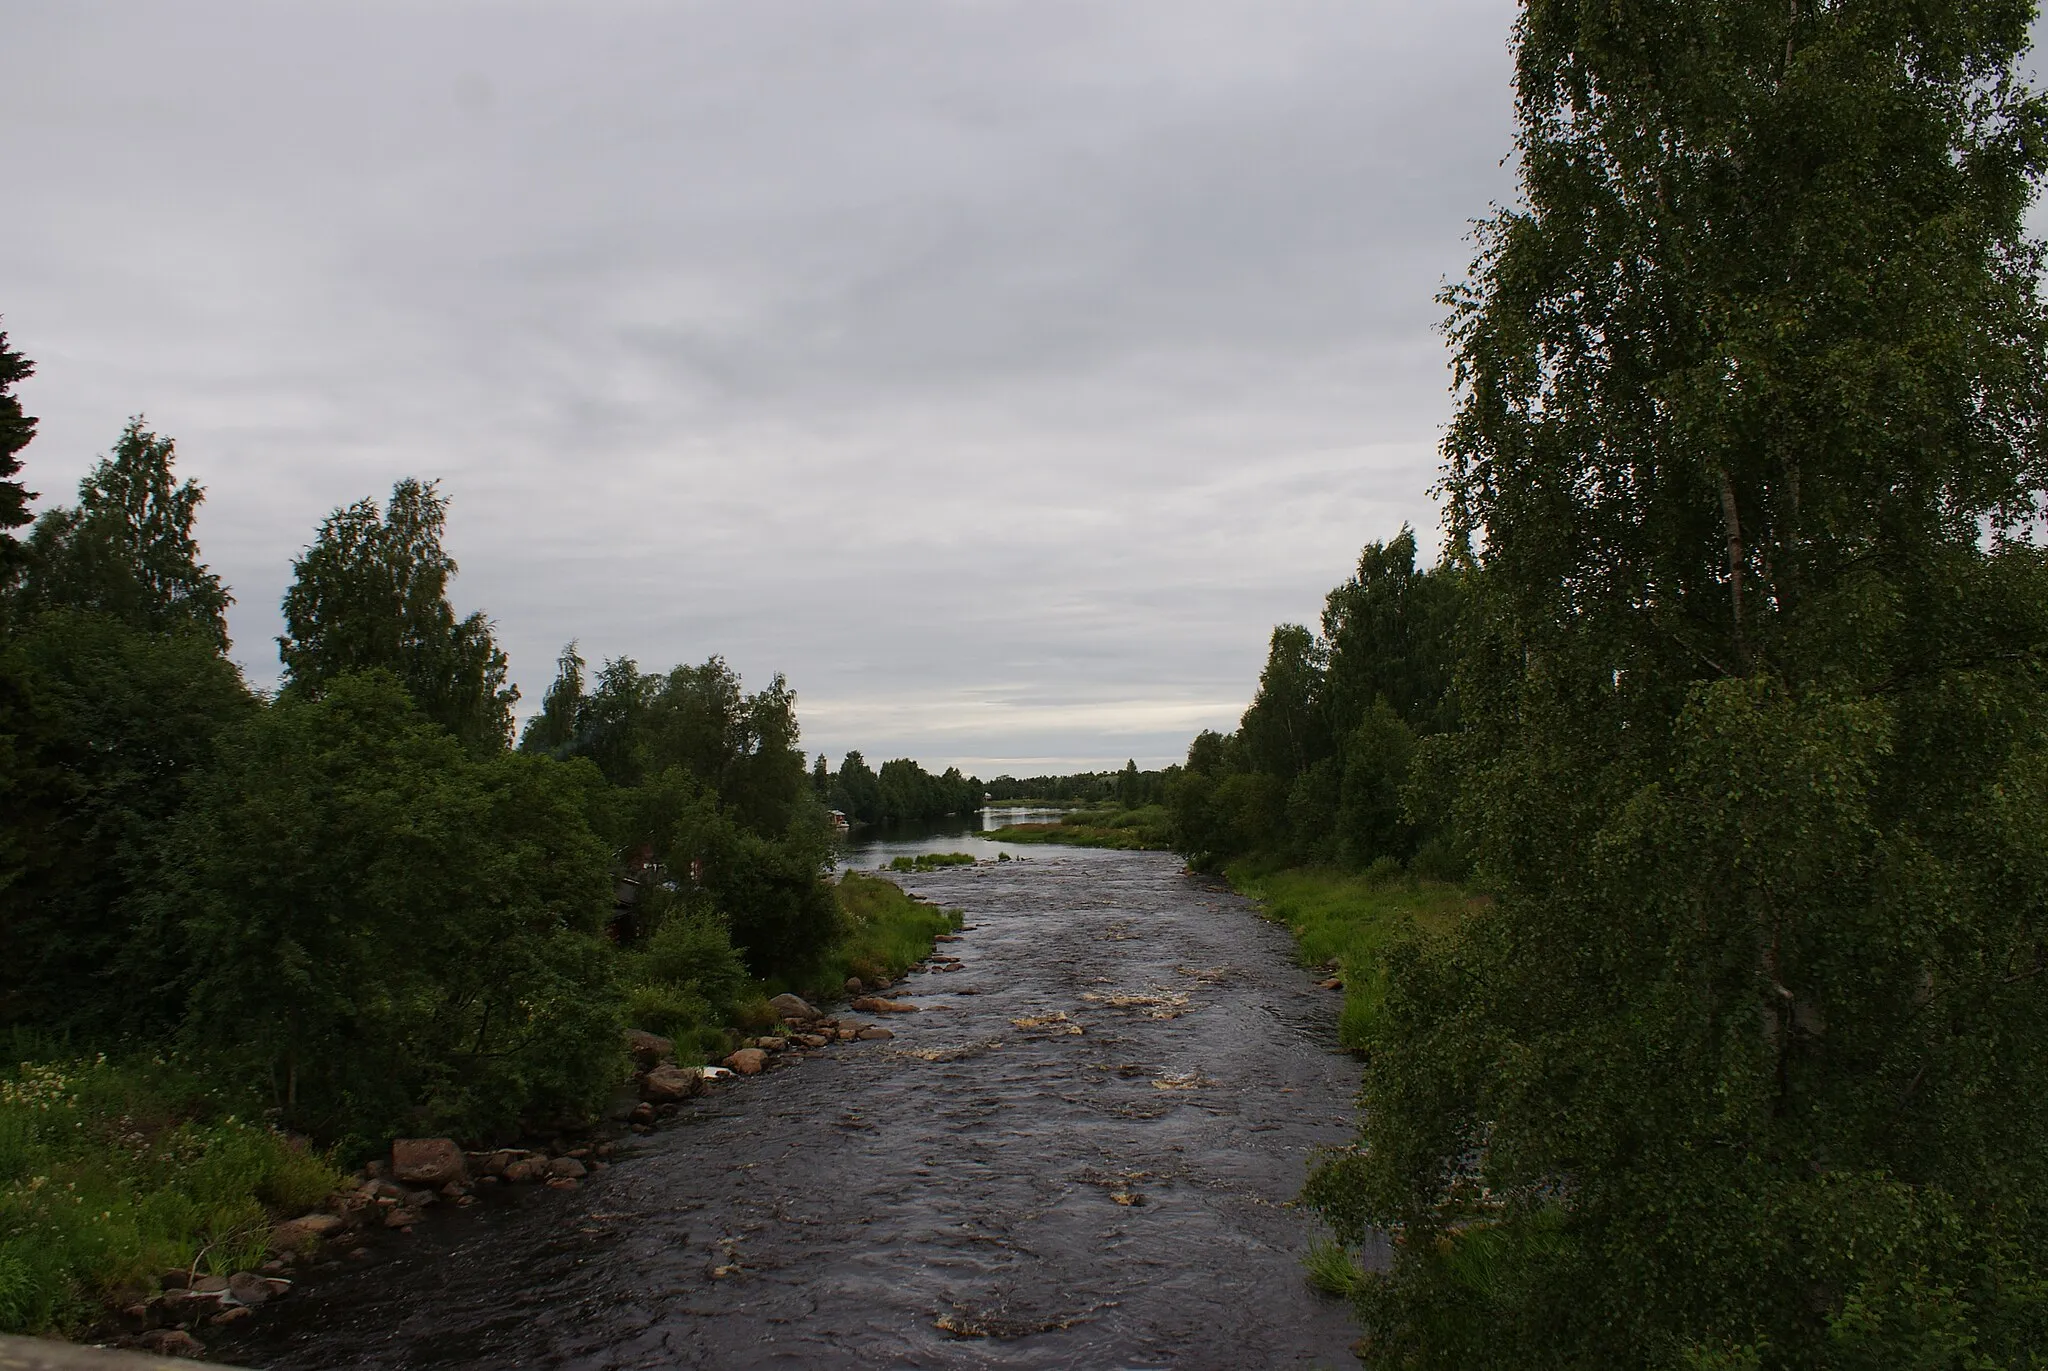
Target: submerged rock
x: 872, y: 1004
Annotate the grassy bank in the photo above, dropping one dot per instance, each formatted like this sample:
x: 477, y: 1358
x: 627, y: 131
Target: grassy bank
x: 887, y: 933
x: 1143, y: 829
x: 1349, y: 922
x: 113, y: 1171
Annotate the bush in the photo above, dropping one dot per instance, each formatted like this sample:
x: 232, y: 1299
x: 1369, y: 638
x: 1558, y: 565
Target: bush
x: 388, y: 934
x: 111, y: 1172
x: 693, y: 950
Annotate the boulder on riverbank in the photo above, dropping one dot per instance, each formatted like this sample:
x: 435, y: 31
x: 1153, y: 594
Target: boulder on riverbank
x: 427, y: 1161
x: 667, y: 1084
x: 748, y: 1061
x: 648, y: 1049
x: 792, y: 1009
x: 297, y: 1234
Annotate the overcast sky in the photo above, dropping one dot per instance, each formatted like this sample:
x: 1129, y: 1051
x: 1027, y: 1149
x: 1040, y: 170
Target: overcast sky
x: 999, y: 370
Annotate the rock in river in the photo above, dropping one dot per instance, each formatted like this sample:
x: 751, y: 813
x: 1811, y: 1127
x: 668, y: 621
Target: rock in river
x: 748, y: 1061
x: 875, y: 1005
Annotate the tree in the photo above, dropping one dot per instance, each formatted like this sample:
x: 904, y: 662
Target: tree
x: 16, y: 429
x: 387, y: 930
x: 1748, y: 1064
x: 856, y: 792
x: 372, y: 592
x: 118, y: 727
x: 127, y: 548
x: 552, y: 732
x: 1391, y: 634
x: 1283, y: 729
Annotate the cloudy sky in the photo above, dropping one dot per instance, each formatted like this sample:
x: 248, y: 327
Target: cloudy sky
x: 1000, y: 370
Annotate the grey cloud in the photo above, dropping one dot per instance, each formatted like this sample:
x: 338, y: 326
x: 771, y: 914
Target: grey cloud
x: 999, y: 371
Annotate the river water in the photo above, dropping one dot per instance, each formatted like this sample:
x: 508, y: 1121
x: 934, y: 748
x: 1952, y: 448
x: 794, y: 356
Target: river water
x: 1080, y: 1153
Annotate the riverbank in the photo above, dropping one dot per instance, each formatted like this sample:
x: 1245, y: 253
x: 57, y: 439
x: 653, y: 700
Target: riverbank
x: 1077, y: 1149
x: 1346, y: 924
x: 115, y: 1170
x: 1142, y: 829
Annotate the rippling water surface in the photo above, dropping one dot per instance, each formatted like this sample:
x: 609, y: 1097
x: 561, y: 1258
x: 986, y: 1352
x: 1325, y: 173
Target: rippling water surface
x: 1077, y: 1155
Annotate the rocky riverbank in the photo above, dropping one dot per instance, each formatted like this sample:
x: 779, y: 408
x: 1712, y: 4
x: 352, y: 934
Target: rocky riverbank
x: 1078, y: 1148
x: 389, y: 1196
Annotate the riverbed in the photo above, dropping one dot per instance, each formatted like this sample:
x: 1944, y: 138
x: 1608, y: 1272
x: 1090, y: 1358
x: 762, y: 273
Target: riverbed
x: 1079, y: 1153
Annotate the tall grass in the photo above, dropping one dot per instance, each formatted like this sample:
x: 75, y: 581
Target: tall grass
x: 886, y: 932
x: 1351, y: 921
x: 111, y: 1172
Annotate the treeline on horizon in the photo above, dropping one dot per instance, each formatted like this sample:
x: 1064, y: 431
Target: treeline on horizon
x: 1729, y: 699
x: 355, y: 902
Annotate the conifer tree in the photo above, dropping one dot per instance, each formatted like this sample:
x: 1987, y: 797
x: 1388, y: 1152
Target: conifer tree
x: 16, y: 429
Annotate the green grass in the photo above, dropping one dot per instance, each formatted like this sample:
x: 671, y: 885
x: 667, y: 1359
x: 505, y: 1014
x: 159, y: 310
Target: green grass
x: 931, y: 861
x: 1332, y: 1269
x: 1130, y: 830
x: 887, y: 932
x: 1352, y: 921
x: 111, y: 1172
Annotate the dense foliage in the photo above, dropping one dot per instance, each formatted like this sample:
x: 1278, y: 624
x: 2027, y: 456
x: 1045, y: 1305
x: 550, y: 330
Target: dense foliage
x: 1129, y: 787
x: 371, y: 594
x: 1317, y: 767
x: 1748, y: 1065
x: 902, y: 792
x: 355, y: 905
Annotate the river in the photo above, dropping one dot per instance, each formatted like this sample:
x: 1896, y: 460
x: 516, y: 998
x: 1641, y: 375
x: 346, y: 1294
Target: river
x: 1079, y: 1154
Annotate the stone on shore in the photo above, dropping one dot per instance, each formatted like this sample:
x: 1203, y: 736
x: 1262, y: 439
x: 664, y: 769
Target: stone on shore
x: 748, y: 1061
x: 666, y: 1084
x: 647, y: 1048
x: 428, y: 1161
x: 854, y: 985
x: 569, y: 1167
x: 173, y: 1342
x: 294, y: 1234
x: 246, y: 1287
x: 790, y: 1008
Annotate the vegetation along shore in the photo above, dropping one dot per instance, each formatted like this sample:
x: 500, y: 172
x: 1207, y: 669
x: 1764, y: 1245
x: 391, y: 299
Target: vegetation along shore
x: 251, y: 939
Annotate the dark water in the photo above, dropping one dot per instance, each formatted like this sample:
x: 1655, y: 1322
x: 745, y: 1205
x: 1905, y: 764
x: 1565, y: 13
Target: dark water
x: 975, y: 1193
